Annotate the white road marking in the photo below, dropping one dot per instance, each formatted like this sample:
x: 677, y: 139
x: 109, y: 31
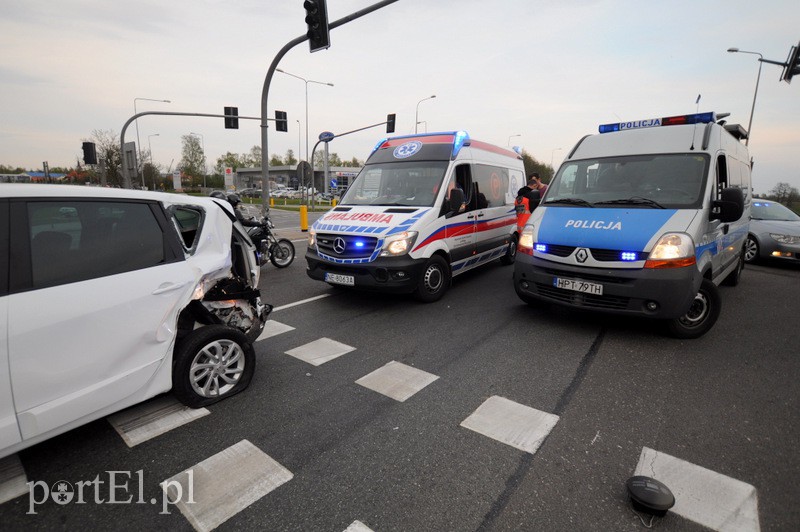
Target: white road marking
x: 706, y: 497
x: 273, y: 328
x: 225, y: 484
x: 153, y: 418
x: 13, y: 480
x: 397, y: 380
x: 519, y: 426
x: 302, y: 302
x: 358, y: 526
x: 320, y: 351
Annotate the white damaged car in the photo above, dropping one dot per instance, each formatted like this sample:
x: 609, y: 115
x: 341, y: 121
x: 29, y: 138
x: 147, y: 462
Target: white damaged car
x: 109, y: 297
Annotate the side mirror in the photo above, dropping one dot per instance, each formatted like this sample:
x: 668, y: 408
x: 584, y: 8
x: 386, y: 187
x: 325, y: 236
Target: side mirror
x: 456, y: 200
x: 730, y: 207
x: 534, y: 198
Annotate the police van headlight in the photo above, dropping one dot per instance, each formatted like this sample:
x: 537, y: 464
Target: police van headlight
x: 398, y: 244
x: 673, y: 250
x: 525, y: 244
x: 312, y: 238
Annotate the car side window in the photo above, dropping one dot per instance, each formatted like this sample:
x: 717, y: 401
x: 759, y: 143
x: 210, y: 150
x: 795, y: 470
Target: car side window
x: 73, y: 241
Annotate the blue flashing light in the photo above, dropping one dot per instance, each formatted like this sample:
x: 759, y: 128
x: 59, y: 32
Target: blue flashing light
x: 697, y: 118
x: 378, y: 145
x: 541, y: 248
x: 462, y: 139
x: 629, y: 256
x: 359, y: 244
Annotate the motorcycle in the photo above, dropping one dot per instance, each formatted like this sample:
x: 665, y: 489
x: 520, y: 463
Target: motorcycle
x: 278, y: 251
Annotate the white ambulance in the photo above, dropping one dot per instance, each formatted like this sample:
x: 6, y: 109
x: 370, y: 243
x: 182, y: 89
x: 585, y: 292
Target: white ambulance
x: 423, y: 209
x: 646, y: 218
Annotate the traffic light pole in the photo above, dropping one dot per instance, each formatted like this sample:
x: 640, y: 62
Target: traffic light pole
x: 265, y: 192
x: 125, y: 175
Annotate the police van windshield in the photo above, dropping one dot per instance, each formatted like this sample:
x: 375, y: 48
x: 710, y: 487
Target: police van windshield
x: 411, y: 184
x: 649, y: 181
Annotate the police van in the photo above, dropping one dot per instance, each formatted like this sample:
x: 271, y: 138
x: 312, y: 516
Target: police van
x: 423, y: 209
x: 645, y: 218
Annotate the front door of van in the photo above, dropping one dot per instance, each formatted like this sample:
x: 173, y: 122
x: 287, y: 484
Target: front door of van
x: 460, y: 228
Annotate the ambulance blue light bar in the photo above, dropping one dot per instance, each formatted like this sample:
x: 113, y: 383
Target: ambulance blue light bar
x: 698, y: 118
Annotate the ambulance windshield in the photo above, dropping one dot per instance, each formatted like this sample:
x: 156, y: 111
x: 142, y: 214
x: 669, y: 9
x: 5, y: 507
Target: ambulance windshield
x: 407, y: 184
x: 645, y: 181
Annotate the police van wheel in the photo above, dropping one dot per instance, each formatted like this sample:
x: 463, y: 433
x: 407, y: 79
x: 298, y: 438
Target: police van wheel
x: 701, y: 316
x: 435, y: 280
x: 511, y: 252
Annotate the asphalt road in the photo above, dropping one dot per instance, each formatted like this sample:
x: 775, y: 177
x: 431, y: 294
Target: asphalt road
x: 727, y: 402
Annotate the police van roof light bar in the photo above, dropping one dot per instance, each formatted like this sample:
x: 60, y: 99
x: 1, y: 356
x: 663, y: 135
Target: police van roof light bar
x: 697, y: 118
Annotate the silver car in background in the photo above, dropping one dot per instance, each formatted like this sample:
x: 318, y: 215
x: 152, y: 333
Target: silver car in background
x: 774, y: 232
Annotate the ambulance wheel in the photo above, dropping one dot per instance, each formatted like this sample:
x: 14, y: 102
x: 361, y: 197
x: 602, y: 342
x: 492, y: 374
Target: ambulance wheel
x: 435, y: 280
x: 511, y: 252
x: 701, y: 316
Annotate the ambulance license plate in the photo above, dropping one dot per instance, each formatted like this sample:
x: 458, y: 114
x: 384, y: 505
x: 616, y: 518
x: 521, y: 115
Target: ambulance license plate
x: 335, y: 278
x: 578, y: 286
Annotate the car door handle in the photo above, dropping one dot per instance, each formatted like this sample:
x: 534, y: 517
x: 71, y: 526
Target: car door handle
x: 470, y: 217
x: 480, y: 215
x: 168, y: 287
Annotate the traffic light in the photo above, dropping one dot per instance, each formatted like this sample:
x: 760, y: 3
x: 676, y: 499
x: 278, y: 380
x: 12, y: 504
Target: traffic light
x: 792, y: 64
x: 390, y: 123
x: 231, y: 120
x: 89, y: 153
x: 281, y: 122
x: 317, y: 19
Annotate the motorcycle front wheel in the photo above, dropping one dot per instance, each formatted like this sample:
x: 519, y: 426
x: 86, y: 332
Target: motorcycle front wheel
x: 281, y: 253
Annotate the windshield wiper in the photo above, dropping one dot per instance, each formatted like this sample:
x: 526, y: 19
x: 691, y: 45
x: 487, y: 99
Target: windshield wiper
x: 570, y: 201
x: 636, y: 200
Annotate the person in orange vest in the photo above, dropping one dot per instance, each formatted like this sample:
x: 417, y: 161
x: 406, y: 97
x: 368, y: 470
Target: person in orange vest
x: 522, y: 203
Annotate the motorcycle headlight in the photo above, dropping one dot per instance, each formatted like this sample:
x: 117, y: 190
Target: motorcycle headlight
x: 398, y: 244
x: 785, y: 239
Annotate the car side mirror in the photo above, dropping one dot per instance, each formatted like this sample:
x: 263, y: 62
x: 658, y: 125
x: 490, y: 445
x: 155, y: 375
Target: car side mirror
x: 534, y: 198
x: 729, y: 207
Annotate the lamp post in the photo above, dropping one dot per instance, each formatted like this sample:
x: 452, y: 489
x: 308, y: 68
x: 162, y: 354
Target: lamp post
x: 306, y: 81
x: 755, y: 94
x: 552, y: 153
x: 511, y: 137
x: 152, y: 165
x: 416, y: 115
x: 298, y: 140
x: 138, y: 144
x: 203, y: 141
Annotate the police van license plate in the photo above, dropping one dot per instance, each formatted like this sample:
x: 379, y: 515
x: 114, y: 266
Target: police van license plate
x: 578, y: 286
x: 335, y: 278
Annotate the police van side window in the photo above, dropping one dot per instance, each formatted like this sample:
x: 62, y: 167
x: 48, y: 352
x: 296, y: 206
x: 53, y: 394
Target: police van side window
x: 722, y: 175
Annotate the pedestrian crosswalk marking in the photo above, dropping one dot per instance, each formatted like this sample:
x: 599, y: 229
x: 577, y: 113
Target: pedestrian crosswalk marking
x: 224, y: 484
x: 701, y: 495
x: 519, y: 426
x: 13, y: 480
x: 397, y: 380
x: 357, y: 526
x: 153, y: 418
x: 320, y: 351
x: 273, y: 328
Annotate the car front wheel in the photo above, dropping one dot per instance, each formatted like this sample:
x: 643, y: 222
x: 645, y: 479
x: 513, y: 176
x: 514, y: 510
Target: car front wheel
x: 701, y: 315
x: 435, y: 280
x: 212, y: 363
x: 750, y: 250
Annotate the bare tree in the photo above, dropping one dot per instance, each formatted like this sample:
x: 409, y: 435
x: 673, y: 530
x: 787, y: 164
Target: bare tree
x: 109, y: 158
x: 784, y: 193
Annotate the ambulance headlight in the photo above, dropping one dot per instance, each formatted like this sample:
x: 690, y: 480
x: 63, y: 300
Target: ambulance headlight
x: 398, y: 244
x: 312, y: 238
x: 673, y: 250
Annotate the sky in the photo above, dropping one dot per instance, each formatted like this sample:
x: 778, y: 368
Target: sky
x: 529, y: 73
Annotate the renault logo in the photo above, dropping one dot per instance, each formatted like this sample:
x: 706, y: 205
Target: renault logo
x: 582, y: 255
x: 338, y: 245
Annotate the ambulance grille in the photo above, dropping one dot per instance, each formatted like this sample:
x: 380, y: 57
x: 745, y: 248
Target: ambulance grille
x: 581, y: 299
x: 355, y: 247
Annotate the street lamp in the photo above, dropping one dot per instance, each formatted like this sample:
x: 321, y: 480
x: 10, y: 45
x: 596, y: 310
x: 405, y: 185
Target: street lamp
x: 511, y: 137
x: 552, y: 153
x: 203, y: 140
x: 306, y: 81
x: 416, y: 115
x: 298, y: 140
x: 152, y: 165
x: 138, y: 143
x: 755, y: 94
